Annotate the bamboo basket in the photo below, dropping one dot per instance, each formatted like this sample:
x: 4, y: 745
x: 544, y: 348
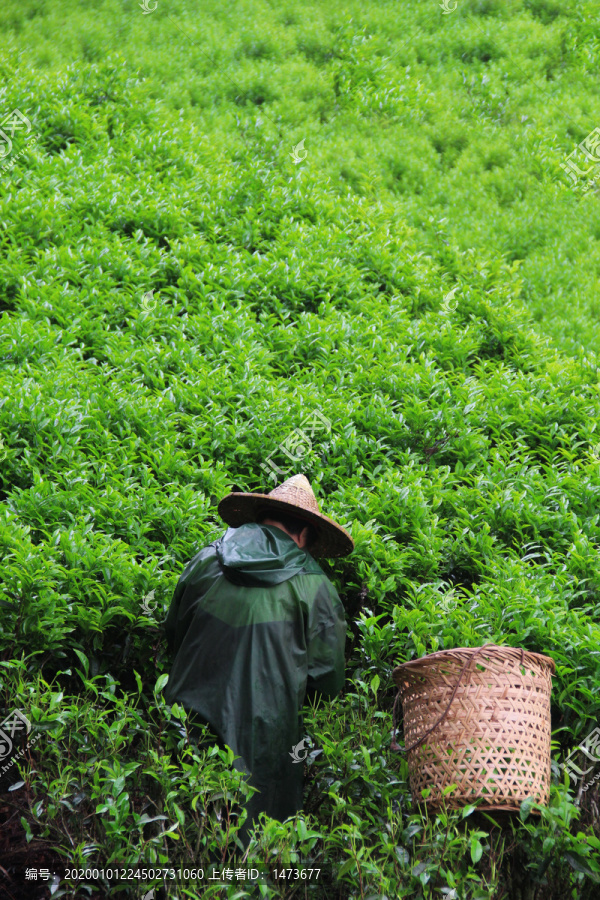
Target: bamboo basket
x: 478, y: 718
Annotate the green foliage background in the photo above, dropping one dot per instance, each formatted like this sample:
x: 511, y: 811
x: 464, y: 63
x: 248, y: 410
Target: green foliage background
x: 463, y: 456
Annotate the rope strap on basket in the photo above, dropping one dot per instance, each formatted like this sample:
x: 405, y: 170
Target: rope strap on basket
x: 395, y: 719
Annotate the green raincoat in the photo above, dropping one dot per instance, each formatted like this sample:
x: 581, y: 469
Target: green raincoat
x: 254, y: 623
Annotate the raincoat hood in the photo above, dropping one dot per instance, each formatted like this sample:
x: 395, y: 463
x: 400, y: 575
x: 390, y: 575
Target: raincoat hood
x: 254, y: 555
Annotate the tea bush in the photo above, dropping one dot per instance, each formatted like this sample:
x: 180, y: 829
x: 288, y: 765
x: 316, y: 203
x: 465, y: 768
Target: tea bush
x: 232, y: 217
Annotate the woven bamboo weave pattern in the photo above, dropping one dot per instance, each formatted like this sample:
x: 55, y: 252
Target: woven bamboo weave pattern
x: 294, y: 497
x: 494, y: 741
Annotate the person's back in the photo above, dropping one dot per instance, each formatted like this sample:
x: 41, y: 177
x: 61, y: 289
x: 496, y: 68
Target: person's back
x: 254, y: 623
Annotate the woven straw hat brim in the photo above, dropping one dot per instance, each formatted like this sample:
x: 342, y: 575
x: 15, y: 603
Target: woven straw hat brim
x: 239, y: 508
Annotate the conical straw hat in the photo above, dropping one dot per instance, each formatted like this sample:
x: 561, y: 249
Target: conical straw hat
x: 294, y: 497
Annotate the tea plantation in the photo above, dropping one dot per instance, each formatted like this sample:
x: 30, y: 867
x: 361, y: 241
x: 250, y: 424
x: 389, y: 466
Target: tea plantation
x: 219, y: 219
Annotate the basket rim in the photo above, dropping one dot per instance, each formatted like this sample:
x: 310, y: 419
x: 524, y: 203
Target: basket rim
x: 493, y: 649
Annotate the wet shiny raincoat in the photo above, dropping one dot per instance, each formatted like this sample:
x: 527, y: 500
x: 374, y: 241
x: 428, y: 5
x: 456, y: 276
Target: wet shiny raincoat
x: 255, y: 622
